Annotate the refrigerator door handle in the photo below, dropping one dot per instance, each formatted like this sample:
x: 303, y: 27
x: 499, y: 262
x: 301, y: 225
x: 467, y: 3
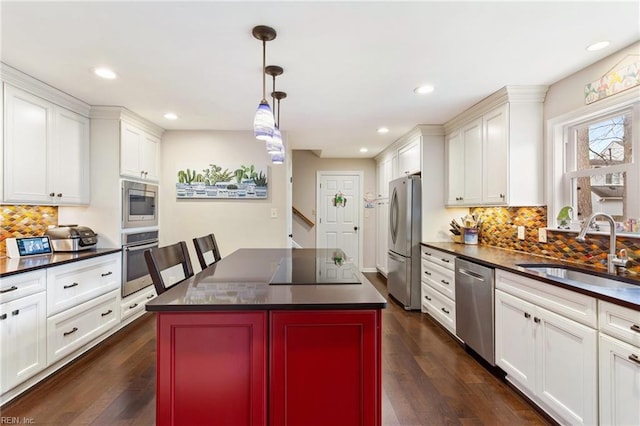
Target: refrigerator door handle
x: 393, y: 216
x: 397, y: 258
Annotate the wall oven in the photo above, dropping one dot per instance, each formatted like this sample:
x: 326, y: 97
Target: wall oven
x: 135, y: 275
x: 139, y: 204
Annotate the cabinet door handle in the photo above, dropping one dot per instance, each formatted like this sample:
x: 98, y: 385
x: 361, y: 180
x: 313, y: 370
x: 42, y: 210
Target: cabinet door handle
x: 106, y: 274
x: 634, y: 358
x: 527, y: 315
x: 133, y: 306
x: 106, y: 313
x: 59, y: 195
x: 7, y: 290
x: 70, y: 285
x: 445, y: 260
x: 445, y: 311
x: 73, y: 330
x: 3, y: 316
x: 536, y: 320
x: 150, y: 296
x: 635, y: 327
x: 427, y: 273
x: 16, y: 312
x: 428, y: 298
x: 444, y: 282
x: 427, y: 253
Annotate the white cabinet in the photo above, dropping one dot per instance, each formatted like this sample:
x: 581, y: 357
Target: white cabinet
x: 139, y: 153
x: 133, y: 306
x: 74, y: 283
x: 382, y: 235
x: 619, y: 362
x: 22, y: 339
x: 550, y: 357
x: 77, y: 326
x: 409, y: 157
x: 438, y: 287
x: 46, y: 151
x: 495, y: 150
x: 385, y: 174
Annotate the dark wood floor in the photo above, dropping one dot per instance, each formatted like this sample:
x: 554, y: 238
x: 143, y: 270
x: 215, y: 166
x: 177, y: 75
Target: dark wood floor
x: 428, y: 379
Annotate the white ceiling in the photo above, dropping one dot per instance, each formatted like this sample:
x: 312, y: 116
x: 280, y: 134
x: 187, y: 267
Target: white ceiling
x: 350, y: 67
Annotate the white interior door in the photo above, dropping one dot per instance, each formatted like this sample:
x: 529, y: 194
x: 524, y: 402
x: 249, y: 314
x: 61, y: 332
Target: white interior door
x: 339, y: 225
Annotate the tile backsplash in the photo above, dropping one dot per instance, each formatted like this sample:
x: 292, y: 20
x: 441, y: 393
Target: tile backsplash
x: 499, y: 229
x: 25, y: 221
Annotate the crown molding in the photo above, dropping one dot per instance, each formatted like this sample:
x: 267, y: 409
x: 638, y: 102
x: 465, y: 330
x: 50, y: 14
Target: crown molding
x: 507, y: 94
x: 17, y: 78
x: 122, y: 113
x: 416, y: 132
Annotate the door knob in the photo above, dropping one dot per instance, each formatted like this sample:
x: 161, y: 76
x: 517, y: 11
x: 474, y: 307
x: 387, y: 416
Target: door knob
x: 355, y: 228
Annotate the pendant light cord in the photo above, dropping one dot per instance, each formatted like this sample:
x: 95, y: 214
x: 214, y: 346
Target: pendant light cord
x: 264, y: 74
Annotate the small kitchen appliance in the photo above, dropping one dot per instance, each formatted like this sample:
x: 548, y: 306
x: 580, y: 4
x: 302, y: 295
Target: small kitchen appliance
x: 72, y: 238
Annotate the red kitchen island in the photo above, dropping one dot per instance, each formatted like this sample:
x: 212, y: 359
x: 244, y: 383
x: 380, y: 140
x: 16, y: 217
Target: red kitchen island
x: 270, y: 337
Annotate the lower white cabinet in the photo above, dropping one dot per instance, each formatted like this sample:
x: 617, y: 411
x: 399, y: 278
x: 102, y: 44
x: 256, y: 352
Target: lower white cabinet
x: 133, y: 305
x: 71, y: 329
x: 23, y: 339
x: 438, y: 287
x: 549, y: 357
x: 619, y: 359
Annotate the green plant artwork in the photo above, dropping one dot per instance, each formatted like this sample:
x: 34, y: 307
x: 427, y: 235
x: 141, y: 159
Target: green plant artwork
x: 216, y: 182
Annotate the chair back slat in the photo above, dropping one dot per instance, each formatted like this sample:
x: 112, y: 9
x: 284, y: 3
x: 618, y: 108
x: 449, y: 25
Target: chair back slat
x: 207, y: 250
x: 168, y: 265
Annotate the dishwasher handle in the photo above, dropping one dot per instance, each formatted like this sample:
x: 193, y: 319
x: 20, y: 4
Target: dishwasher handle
x: 471, y: 274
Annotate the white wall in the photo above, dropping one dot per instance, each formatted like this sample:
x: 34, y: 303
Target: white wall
x: 305, y: 166
x: 236, y: 223
x: 568, y: 94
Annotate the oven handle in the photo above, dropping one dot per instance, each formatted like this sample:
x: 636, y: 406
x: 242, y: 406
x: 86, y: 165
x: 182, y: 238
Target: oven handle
x: 141, y: 247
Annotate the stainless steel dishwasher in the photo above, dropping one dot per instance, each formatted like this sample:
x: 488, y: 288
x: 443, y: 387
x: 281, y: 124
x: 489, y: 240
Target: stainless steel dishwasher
x: 474, y: 307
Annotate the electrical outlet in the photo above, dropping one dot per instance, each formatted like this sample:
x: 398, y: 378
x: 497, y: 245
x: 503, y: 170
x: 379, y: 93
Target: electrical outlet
x: 542, y: 235
x: 521, y: 232
x: 274, y: 213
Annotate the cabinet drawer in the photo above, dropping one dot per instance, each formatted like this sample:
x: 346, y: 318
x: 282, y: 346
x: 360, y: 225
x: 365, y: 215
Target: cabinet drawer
x: 77, y: 326
x: 75, y: 283
x: 438, y: 257
x: 570, y: 304
x: 25, y: 284
x: 620, y: 322
x: 441, y: 308
x: 439, y: 278
x: 135, y: 303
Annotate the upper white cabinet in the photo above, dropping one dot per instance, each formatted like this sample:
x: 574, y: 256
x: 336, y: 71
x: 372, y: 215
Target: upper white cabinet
x: 409, y: 157
x: 139, y: 153
x: 385, y: 172
x: 495, y: 150
x: 45, y: 151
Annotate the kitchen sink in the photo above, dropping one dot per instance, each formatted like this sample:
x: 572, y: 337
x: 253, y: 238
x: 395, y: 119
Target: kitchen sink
x: 566, y: 274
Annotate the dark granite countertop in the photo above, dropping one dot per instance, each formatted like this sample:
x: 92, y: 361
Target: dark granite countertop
x: 10, y: 266
x: 508, y: 260
x: 266, y: 279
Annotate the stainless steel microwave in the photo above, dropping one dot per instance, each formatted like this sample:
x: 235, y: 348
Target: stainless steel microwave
x: 139, y: 204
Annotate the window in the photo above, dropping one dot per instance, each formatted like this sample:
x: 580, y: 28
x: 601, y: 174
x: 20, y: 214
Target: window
x: 593, y: 164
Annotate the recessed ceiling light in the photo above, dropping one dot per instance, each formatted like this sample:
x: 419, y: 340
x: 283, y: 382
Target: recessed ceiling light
x: 598, y: 46
x: 364, y: 150
x: 170, y: 116
x: 422, y: 90
x: 105, y: 73
x: 383, y: 130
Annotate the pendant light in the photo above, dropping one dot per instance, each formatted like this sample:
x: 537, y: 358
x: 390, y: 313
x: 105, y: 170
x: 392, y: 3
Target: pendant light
x: 274, y: 144
x: 263, y: 122
x: 278, y: 158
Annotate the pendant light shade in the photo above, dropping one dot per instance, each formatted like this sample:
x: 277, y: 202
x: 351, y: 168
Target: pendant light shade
x: 263, y: 122
x: 274, y: 144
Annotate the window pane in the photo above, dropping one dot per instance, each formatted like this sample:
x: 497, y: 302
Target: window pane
x: 602, y: 193
x: 604, y: 143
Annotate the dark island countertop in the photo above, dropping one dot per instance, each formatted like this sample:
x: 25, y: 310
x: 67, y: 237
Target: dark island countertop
x: 269, y: 279
x: 9, y: 266
x: 509, y: 260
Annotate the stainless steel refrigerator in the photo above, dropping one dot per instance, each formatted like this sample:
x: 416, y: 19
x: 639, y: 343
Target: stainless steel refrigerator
x: 403, y: 269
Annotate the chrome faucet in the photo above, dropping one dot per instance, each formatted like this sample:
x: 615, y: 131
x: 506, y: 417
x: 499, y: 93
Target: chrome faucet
x: 613, y: 260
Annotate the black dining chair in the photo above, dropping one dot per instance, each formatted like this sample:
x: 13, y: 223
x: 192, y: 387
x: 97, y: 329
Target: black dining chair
x: 163, y: 263
x: 207, y: 250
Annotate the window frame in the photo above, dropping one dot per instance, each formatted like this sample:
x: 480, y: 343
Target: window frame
x: 559, y: 135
